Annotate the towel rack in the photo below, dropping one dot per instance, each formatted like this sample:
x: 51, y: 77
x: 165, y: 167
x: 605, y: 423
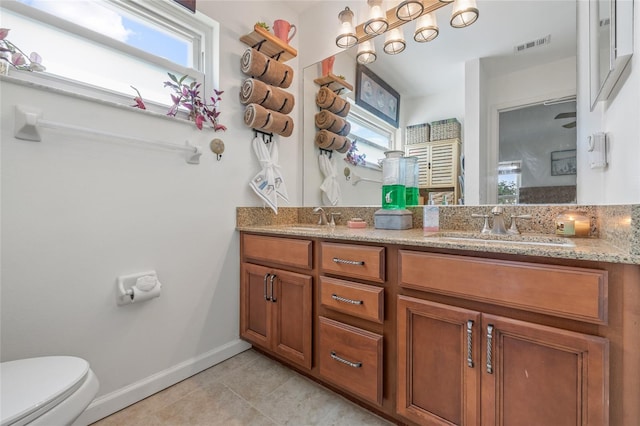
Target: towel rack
x: 268, y: 137
x: 28, y: 120
x: 327, y: 152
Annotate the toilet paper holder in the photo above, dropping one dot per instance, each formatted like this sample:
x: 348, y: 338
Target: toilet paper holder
x: 137, y: 287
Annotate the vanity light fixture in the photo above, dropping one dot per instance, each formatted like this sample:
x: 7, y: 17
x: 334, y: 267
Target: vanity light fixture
x: 464, y: 13
x: 394, y: 41
x: 347, y: 34
x: 377, y: 23
x: 366, y: 53
x: 426, y: 28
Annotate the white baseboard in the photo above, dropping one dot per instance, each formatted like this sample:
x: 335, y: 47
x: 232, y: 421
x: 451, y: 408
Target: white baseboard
x: 117, y: 400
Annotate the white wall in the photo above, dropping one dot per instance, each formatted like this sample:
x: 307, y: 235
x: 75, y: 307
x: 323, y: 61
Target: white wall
x: 77, y: 213
x: 619, y: 118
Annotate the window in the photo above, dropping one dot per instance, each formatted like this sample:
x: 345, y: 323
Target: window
x: 111, y: 45
x: 509, y: 173
x: 372, y: 136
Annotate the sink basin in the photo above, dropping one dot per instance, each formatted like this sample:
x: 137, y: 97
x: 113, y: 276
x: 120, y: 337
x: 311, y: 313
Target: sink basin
x: 499, y: 239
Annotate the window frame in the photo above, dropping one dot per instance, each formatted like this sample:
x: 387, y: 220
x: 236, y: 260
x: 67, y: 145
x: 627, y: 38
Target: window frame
x: 167, y: 14
x: 368, y: 120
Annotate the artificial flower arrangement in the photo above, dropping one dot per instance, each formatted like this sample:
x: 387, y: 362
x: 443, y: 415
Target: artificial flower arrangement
x: 188, y: 96
x: 353, y: 157
x: 15, y: 57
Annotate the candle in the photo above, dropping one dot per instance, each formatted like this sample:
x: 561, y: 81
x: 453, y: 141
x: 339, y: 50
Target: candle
x: 582, y: 226
x: 565, y: 226
x: 573, y: 223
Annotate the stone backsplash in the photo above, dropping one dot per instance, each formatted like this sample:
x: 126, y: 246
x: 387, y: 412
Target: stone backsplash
x: 619, y: 225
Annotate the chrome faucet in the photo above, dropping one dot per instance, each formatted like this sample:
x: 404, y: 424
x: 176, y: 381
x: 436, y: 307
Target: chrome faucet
x: 323, y: 216
x: 498, y: 221
x: 322, y: 220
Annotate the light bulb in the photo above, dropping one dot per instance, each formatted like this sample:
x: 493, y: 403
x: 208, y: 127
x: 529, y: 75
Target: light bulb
x: 465, y: 13
x: 346, y: 35
x: 377, y: 22
x: 409, y: 10
x: 366, y: 52
x: 426, y: 28
x: 394, y: 41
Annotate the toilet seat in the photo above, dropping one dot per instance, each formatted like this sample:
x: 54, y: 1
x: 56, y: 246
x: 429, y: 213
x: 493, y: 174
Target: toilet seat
x: 53, y: 385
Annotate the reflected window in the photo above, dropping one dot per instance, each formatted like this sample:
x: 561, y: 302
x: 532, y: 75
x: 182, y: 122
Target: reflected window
x: 509, y: 177
x: 373, y: 138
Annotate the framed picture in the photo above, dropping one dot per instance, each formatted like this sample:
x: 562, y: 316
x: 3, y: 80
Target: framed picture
x: 376, y: 96
x: 189, y: 4
x: 563, y: 162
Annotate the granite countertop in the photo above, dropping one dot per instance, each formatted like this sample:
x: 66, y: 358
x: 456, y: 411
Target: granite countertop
x: 615, y: 230
x: 593, y: 249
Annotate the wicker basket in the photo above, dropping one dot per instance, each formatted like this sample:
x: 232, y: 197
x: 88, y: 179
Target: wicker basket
x: 417, y: 133
x: 445, y: 129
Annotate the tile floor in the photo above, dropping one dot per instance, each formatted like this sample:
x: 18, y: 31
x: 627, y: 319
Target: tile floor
x: 248, y: 389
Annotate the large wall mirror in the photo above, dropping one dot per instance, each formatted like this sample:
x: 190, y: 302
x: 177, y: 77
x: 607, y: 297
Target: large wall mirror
x: 610, y: 45
x: 513, y: 73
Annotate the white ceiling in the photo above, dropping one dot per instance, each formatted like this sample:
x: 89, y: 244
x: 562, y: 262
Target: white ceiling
x: 425, y: 68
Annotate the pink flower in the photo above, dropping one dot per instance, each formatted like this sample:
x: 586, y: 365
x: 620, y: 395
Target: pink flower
x: 199, y: 121
x: 187, y: 95
x: 138, y: 99
x: 17, y: 59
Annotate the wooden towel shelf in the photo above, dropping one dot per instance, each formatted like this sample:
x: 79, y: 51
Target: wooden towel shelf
x: 269, y: 44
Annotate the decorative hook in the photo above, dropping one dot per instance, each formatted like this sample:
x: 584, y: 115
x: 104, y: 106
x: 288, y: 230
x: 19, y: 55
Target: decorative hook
x: 328, y: 152
x: 217, y: 147
x: 267, y: 137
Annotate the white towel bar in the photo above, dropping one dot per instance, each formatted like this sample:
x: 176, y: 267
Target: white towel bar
x: 28, y: 120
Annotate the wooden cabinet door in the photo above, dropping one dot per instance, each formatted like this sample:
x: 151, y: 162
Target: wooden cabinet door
x: 444, y: 161
x: 438, y: 163
x: 255, y: 307
x: 438, y: 376
x: 292, y: 299
x: 536, y: 375
x: 423, y: 152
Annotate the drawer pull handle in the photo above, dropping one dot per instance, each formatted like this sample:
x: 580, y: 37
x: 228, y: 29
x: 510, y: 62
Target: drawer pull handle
x: 348, y: 262
x: 470, y: 344
x: 345, y: 300
x: 273, y: 296
x: 344, y: 361
x: 489, y: 350
x: 266, y: 277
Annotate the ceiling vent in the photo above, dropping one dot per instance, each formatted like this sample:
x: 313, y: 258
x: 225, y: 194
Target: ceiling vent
x: 531, y: 44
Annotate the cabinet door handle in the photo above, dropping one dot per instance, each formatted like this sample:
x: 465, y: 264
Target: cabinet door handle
x: 344, y: 361
x: 266, y: 277
x: 273, y: 296
x: 345, y: 300
x: 489, y: 348
x: 348, y: 262
x: 470, y: 343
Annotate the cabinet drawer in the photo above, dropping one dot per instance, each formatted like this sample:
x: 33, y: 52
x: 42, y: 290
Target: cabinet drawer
x: 562, y: 291
x: 352, y: 359
x: 284, y: 251
x: 352, y: 260
x: 360, y: 300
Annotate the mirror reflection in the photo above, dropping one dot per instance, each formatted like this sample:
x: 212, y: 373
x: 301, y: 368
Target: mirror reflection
x: 511, y: 85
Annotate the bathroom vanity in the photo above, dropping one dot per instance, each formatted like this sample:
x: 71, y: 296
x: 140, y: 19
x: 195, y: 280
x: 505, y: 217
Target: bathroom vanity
x: 434, y: 331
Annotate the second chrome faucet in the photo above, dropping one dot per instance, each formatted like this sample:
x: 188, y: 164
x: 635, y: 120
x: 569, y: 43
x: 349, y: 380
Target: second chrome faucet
x: 498, y: 226
x: 322, y: 220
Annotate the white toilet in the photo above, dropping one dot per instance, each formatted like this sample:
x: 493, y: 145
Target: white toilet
x: 52, y: 390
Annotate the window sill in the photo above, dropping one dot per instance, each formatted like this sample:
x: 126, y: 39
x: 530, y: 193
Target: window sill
x: 52, y: 84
